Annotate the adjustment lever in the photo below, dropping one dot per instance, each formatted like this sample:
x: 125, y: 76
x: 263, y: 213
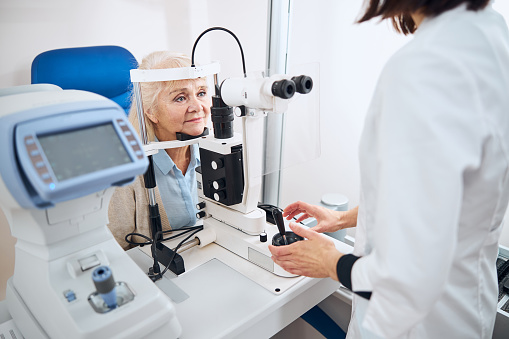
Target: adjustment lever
x: 278, y: 218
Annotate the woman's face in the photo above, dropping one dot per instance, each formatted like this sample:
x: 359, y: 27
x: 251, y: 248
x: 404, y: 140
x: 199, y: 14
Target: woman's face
x: 184, y: 108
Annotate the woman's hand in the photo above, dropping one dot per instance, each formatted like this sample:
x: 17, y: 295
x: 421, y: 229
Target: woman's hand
x: 327, y: 220
x: 315, y: 257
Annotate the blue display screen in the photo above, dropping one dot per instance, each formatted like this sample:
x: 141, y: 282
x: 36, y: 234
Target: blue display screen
x: 82, y: 151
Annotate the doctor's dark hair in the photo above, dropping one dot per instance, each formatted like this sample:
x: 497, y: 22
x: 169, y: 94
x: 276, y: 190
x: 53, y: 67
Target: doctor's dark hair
x: 399, y: 10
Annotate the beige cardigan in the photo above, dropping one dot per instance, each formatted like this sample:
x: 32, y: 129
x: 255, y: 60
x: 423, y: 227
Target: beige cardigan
x: 128, y: 212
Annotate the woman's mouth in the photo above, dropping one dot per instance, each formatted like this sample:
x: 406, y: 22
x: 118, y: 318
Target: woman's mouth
x: 196, y: 120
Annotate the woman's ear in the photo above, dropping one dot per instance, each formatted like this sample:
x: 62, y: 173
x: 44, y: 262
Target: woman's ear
x: 149, y: 114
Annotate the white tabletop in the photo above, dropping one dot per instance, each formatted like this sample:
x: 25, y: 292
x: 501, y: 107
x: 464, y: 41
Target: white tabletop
x: 222, y: 295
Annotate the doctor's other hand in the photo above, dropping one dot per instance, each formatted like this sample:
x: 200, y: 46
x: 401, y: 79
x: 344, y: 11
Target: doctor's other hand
x: 327, y: 220
x: 315, y: 257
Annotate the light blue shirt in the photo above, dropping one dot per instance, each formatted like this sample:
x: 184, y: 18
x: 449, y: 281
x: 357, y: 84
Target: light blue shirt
x: 178, y: 191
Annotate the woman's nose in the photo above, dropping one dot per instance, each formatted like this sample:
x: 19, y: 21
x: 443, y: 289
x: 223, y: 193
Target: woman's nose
x: 194, y: 105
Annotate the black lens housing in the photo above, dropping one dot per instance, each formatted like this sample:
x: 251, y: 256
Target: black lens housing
x: 222, y: 118
x: 284, y: 89
x: 303, y: 84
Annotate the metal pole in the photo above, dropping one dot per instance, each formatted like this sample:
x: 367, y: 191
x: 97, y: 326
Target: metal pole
x: 277, y: 57
x: 144, y: 138
x: 139, y: 112
x: 150, y: 184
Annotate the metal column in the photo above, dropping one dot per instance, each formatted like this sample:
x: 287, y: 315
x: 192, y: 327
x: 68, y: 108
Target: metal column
x: 277, y: 57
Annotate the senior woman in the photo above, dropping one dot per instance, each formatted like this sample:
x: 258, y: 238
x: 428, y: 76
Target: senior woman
x: 170, y: 107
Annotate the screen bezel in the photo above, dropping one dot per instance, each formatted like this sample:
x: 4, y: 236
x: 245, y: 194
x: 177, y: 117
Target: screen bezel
x: 61, y: 123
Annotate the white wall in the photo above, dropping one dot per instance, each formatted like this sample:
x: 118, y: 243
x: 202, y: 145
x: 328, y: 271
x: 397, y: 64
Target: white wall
x: 350, y: 55
x: 29, y: 27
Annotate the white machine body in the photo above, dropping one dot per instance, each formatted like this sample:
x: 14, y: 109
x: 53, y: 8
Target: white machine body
x: 254, y: 93
x: 246, y: 214
x: 238, y: 226
x: 60, y: 219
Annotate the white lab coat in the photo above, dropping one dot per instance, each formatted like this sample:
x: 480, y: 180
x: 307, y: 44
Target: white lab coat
x: 434, y: 159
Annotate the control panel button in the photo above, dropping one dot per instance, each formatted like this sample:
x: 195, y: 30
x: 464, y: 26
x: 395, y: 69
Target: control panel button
x: 70, y: 295
x: 89, y: 262
x: 216, y: 164
x: 219, y: 195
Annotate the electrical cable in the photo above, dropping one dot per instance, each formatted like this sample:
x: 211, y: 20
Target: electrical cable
x: 220, y: 29
x: 128, y: 236
x: 199, y: 228
x: 182, y: 231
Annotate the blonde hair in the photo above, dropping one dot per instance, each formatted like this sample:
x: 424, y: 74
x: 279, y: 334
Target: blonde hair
x: 150, y: 90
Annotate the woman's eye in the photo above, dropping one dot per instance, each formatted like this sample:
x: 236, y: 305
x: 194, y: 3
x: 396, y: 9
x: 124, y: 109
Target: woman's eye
x: 202, y: 93
x: 180, y: 98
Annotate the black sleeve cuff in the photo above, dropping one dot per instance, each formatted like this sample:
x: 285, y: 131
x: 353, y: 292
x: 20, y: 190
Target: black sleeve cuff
x: 344, y: 272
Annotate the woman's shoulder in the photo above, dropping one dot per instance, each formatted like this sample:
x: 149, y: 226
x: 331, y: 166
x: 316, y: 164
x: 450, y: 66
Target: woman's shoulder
x: 135, y: 187
x: 138, y: 183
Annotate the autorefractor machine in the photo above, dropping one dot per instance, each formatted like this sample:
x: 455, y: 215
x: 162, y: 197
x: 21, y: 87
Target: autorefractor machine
x: 63, y: 153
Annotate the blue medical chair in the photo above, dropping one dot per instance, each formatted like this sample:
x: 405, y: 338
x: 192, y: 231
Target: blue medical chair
x: 99, y: 69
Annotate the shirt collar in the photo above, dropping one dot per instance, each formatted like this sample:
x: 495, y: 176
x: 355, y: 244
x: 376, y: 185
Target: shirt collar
x: 163, y: 161
x: 429, y: 20
x: 195, y: 156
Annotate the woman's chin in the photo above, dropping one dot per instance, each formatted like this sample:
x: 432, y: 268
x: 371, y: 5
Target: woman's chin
x: 195, y: 131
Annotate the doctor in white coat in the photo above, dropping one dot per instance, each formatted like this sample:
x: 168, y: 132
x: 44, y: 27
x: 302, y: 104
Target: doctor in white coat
x: 434, y: 159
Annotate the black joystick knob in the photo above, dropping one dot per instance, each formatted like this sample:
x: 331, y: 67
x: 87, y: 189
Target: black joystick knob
x: 283, y: 238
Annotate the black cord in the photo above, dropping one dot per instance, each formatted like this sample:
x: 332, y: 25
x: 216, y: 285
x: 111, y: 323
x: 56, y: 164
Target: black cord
x: 185, y: 230
x: 199, y: 228
x: 182, y: 231
x: 220, y: 29
x: 149, y: 241
x: 136, y: 243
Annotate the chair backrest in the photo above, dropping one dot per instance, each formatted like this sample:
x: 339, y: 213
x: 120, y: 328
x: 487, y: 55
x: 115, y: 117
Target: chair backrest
x: 99, y: 69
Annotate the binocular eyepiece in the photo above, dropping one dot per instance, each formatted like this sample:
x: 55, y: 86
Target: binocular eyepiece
x: 285, y: 89
x: 303, y: 83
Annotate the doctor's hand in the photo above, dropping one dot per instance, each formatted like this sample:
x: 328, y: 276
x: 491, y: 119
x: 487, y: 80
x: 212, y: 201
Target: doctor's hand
x: 315, y: 257
x: 327, y: 220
